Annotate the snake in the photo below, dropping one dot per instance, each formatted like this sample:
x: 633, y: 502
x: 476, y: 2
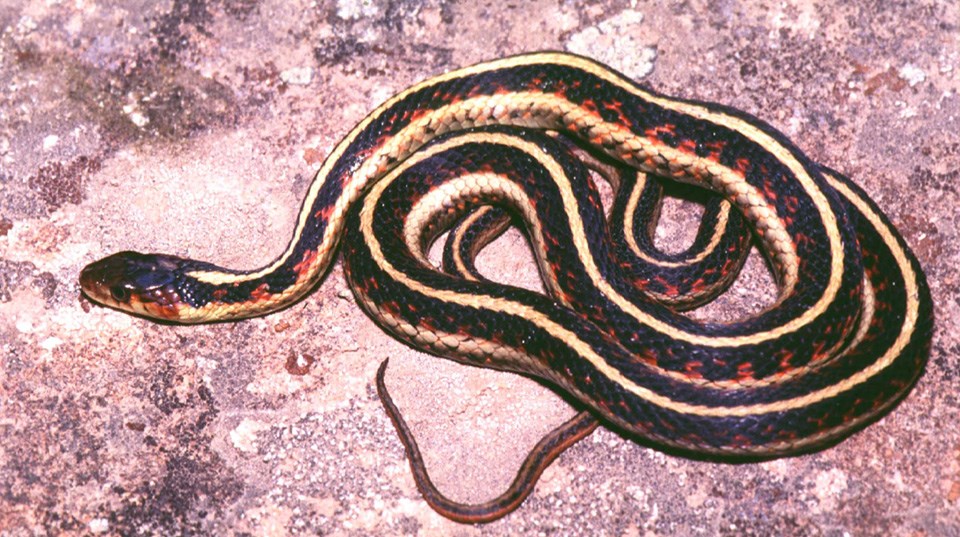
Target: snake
x: 479, y: 149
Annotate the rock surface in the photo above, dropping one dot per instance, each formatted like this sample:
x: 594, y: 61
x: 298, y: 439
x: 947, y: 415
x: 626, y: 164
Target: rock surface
x: 194, y: 127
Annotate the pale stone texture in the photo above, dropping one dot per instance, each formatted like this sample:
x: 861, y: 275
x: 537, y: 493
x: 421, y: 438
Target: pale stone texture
x: 194, y: 127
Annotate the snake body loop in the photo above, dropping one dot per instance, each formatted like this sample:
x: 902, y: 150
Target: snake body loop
x: 844, y: 341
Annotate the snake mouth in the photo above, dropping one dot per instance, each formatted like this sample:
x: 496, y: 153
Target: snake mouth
x: 108, y: 281
x: 138, y: 283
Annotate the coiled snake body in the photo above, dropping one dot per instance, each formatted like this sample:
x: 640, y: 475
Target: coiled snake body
x: 845, y: 340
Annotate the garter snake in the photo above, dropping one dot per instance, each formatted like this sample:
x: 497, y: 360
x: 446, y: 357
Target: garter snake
x: 845, y: 340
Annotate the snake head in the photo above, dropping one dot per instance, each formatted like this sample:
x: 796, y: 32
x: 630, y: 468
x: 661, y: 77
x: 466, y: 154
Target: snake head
x: 142, y: 284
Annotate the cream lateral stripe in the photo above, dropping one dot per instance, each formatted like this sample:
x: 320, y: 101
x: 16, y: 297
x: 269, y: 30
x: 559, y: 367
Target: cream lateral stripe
x: 438, y: 200
x: 832, y: 433
x: 583, y: 251
x: 475, y: 185
x: 485, y: 302
x: 768, y: 142
x: 863, y: 326
x: 583, y: 349
x: 334, y: 157
x: 631, y: 209
x: 552, y: 102
x: 579, y: 235
x: 401, y: 144
x: 906, y: 330
x: 467, y: 222
x: 360, y: 179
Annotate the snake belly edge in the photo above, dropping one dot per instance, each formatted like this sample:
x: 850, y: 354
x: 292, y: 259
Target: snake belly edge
x: 845, y: 340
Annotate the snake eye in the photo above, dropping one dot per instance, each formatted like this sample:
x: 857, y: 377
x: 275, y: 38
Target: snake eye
x: 120, y: 293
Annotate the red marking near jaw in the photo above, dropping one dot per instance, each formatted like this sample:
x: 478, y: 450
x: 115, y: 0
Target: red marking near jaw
x: 262, y: 292
x: 742, y: 166
x: 309, y: 257
x: 617, y: 106
x: 324, y: 213
x: 716, y: 147
x: 669, y: 289
x: 391, y: 307
x: 219, y: 294
x: 785, y: 358
x: 590, y: 106
x: 656, y: 134
x: 744, y: 372
x: 162, y: 303
x: 168, y: 310
x: 769, y: 191
x: 693, y: 369
x: 688, y: 146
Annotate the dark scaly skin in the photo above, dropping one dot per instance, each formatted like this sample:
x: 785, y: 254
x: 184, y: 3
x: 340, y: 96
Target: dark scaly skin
x: 681, y: 281
x: 464, y: 243
x: 763, y: 434
x: 125, y: 278
x: 540, y: 457
x: 660, y: 125
x: 690, y: 278
x: 581, y: 425
x: 164, y: 287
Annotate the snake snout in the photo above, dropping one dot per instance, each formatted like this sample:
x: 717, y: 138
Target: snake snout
x: 127, y: 280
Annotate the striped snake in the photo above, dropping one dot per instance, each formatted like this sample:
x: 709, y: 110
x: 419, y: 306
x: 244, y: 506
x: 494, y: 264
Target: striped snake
x: 496, y: 144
